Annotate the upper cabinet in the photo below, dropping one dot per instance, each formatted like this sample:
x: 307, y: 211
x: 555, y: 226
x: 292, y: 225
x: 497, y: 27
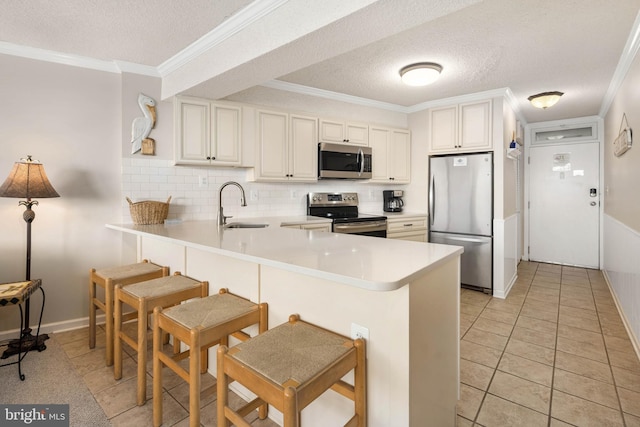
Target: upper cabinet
x: 347, y: 132
x: 462, y: 127
x: 206, y: 132
x: 391, y: 153
x: 287, y: 147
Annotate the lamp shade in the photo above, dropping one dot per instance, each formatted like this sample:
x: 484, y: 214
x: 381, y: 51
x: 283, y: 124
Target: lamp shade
x: 27, y: 180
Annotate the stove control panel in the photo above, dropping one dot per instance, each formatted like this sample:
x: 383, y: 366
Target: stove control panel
x: 332, y: 199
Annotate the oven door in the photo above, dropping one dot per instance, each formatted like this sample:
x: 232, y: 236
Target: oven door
x: 362, y: 228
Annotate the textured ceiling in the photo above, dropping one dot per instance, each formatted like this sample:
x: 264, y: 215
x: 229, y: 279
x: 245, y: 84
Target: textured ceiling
x: 353, y: 48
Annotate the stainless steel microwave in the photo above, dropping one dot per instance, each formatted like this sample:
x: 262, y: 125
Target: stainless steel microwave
x: 343, y: 161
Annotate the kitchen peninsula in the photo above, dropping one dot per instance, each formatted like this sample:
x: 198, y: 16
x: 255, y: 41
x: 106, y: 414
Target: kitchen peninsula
x: 405, y: 293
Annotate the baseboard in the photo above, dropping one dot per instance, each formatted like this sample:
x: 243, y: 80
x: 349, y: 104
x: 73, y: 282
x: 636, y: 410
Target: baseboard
x: 503, y: 294
x: 49, y: 328
x: 632, y: 337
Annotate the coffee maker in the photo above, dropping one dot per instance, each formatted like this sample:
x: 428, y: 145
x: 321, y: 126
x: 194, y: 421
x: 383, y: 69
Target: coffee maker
x: 392, y: 200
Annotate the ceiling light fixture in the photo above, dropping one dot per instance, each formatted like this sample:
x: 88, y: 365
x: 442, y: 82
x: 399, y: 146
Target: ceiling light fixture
x: 545, y: 100
x: 421, y: 73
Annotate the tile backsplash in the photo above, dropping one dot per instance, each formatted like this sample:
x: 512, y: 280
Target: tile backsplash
x: 194, y: 191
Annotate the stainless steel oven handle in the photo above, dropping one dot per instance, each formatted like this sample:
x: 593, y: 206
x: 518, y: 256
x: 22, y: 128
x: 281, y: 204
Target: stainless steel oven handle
x: 361, y: 226
x: 361, y: 157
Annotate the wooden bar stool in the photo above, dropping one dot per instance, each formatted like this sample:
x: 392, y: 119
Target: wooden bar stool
x: 144, y: 297
x: 200, y: 324
x: 289, y: 367
x: 107, y: 278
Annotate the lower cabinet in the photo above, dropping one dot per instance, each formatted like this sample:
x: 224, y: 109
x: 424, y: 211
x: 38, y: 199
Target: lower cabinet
x: 407, y: 228
x: 311, y: 226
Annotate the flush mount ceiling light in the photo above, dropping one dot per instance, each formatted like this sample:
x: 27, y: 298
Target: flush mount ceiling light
x: 420, y: 74
x: 545, y: 100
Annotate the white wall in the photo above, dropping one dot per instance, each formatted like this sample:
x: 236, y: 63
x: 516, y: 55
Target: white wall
x: 69, y: 119
x: 78, y: 123
x: 622, y: 202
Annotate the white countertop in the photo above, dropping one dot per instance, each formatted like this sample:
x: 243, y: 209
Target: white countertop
x: 367, y: 262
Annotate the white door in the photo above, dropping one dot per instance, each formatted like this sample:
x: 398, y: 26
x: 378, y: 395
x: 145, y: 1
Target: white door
x: 564, y: 211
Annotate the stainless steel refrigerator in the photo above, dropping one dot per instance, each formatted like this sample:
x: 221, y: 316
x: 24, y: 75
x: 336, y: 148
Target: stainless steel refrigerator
x: 461, y: 212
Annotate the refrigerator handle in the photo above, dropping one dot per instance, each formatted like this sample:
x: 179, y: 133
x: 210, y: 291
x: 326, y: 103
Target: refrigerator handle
x: 432, y: 198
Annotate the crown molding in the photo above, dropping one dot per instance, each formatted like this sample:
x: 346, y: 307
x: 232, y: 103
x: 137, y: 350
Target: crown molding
x: 472, y: 97
x: 58, y: 57
x: 336, y: 96
x: 132, y: 67
x: 222, y: 32
x: 626, y: 59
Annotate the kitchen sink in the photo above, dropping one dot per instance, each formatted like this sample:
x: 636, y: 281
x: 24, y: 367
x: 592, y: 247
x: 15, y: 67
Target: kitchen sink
x: 246, y: 225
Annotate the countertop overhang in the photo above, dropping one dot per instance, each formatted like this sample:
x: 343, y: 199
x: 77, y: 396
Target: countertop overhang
x: 371, y: 263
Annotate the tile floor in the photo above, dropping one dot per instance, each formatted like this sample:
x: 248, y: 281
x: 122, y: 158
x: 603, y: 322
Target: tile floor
x: 553, y: 353
x: 118, y: 398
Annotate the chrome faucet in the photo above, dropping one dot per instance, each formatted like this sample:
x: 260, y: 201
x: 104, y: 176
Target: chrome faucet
x: 222, y: 220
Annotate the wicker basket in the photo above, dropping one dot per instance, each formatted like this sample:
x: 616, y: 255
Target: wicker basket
x: 149, y: 212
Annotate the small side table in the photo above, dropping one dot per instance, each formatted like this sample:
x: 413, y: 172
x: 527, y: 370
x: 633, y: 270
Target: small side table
x: 19, y: 293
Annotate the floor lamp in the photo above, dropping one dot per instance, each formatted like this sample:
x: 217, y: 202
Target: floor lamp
x: 27, y: 180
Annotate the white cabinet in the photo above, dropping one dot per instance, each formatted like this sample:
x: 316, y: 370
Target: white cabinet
x: 462, y: 127
x: 206, y: 132
x: 407, y: 227
x: 347, y: 132
x: 391, y: 153
x: 287, y: 147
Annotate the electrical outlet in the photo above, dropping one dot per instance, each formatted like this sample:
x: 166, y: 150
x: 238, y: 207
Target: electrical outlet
x: 203, y: 180
x: 294, y: 194
x: 372, y: 195
x: 358, y: 331
x: 253, y: 194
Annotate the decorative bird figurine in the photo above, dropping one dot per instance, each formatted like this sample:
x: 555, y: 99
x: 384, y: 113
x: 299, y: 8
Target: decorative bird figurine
x: 141, y: 127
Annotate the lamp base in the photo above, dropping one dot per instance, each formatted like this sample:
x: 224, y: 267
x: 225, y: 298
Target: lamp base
x: 26, y: 344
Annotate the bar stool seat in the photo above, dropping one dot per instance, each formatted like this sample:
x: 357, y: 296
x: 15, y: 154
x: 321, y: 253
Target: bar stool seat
x: 144, y: 297
x: 107, y: 278
x: 200, y: 324
x: 289, y: 367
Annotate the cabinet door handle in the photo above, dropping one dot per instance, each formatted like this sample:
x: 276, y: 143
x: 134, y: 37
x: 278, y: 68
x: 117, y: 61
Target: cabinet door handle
x: 408, y: 225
